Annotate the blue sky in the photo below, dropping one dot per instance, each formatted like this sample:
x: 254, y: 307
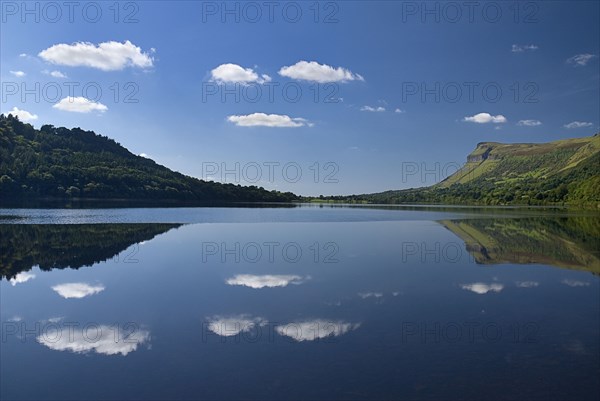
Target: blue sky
x: 392, y: 94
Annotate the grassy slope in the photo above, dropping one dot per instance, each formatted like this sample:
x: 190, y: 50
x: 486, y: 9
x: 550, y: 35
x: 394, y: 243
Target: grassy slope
x: 560, y: 172
x: 514, y: 161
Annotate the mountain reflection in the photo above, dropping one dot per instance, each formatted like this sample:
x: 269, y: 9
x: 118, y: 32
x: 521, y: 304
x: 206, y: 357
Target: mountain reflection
x: 569, y: 242
x: 60, y: 246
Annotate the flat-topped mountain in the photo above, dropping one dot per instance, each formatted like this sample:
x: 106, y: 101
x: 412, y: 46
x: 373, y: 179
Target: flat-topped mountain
x: 500, y: 162
x: 560, y: 172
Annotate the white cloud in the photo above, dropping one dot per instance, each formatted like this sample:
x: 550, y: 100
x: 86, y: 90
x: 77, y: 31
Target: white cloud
x: 373, y: 109
x: 23, y: 115
x: 21, y: 278
x: 529, y: 123
x: 315, y: 329
x: 143, y: 155
x: 321, y: 73
x: 527, y: 284
x: 581, y: 60
x: 55, y: 74
x: 77, y: 290
x: 577, y: 124
x: 268, y: 280
x: 19, y: 74
x: 79, y: 105
x: 482, y: 288
x: 107, y: 56
x: 575, y: 283
x: 268, y: 120
x: 522, y: 48
x: 23, y: 55
x: 365, y: 295
x: 233, y: 73
x: 399, y: 111
x: 234, y: 325
x: 98, y: 338
x: 484, y: 118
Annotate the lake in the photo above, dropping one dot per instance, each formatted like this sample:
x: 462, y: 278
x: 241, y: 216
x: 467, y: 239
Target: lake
x: 310, y: 302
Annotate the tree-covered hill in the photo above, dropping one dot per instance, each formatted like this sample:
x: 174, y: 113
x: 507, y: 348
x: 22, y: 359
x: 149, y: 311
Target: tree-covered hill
x: 561, y: 172
x: 61, y: 163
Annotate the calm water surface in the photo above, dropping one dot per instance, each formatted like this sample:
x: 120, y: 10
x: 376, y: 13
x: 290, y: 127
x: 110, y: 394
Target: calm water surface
x: 299, y: 303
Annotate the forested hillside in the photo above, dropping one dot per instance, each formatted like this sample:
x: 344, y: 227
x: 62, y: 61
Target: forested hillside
x: 72, y: 163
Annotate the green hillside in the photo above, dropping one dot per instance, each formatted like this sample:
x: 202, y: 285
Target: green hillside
x: 518, y: 162
x: 61, y: 163
x: 560, y: 172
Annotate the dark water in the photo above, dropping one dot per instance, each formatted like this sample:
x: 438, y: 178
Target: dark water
x: 300, y: 303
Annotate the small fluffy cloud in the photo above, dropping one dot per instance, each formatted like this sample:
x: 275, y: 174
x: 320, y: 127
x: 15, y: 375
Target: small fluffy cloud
x: 23, y: 115
x: 373, y: 109
x: 577, y: 124
x: 55, y: 74
x: 100, y: 339
x: 269, y: 281
x: 107, y: 56
x: 522, y: 48
x: 233, y: 73
x: 19, y: 74
x: 321, y: 73
x: 315, y: 329
x: 581, y: 60
x: 482, y: 288
x: 484, y: 118
x: 79, y: 105
x: 529, y: 123
x: 21, y: 278
x: 399, y: 111
x: 77, y: 290
x: 268, y: 120
x: 233, y: 325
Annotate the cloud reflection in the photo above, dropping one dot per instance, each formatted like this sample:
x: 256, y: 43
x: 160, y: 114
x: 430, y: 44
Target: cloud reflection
x: 482, y: 288
x: 575, y: 283
x: 22, y: 277
x: 106, y: 340
x: 77, y: 290
x: 228, y: 326
x: 312, y: 330
x: 527, y: 284
x: 269, y: 281
x: 365, y: 295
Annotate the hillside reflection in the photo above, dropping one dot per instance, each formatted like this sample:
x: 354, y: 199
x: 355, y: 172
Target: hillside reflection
x: 569, y: 242
x: 60, y: 246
